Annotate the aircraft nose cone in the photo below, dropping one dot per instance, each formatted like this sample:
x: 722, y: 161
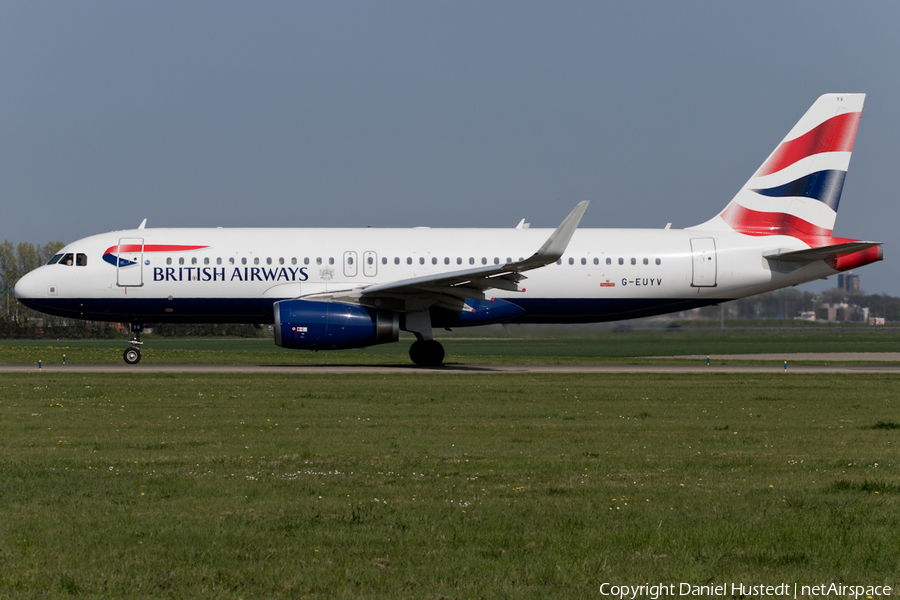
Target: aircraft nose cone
x: 27, y: 287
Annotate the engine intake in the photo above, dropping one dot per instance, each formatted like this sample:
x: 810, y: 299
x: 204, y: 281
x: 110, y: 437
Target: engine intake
x: 313, y: 325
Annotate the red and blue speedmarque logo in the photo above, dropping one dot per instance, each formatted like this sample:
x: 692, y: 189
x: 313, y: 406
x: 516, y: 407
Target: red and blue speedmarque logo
x: 112, y: 253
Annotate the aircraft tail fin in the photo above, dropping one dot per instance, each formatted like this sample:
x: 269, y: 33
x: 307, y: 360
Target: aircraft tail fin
x: 797, y: 189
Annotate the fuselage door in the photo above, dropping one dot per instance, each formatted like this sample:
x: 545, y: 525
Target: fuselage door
x: 370, y: 266
x: 129, y: 268
x: 703, y: 252
x: 350, y: 264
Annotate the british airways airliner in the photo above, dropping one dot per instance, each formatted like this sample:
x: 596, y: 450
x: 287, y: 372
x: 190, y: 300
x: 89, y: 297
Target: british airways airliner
x: 351, y: 288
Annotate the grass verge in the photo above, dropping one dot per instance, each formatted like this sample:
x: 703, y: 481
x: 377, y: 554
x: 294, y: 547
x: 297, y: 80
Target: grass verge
x: 442, y: 485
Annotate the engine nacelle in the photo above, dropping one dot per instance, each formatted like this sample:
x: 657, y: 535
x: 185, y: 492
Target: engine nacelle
x: 485, y: 312
x: 313, y: 325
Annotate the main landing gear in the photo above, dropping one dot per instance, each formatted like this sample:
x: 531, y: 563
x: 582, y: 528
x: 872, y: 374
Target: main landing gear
x: 427, y: 353
x: 132, y: 355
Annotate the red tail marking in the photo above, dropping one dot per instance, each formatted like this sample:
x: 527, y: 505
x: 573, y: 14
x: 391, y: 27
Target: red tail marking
x: 837, y: 134
x: 757, y: 223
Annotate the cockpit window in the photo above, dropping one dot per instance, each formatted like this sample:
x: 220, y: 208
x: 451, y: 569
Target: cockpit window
x: 55, y: 259
x: 68, y: 259
x: 80, y: 260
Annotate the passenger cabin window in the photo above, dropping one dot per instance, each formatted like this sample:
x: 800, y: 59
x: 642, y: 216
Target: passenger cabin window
x: 181, y: 260
x: 608, y: 261
x: 305, y: 260
x: 169, y: 260
x: 219, y: 261
x: 396, y: 260
x: 231, y: 260
x: 446, y: 260
x: 459, y: 260
x: 244, y: 260
x: 596, y: 261
x: 330, y: 260
x: 194, y: 261
x: 658, y: 261
x: 256, y: 260
x: 268, y: 260
x: 621, y: 261
x: 634, y: 261
x: 484, y: 260
x: 434, y: 260
x: 421, y: 260
x: 496, y: 260
x: 646, y: 261
x: 384, y: 260
x: 408, y: 260
x: 205, y: 260
x: 318, y: 260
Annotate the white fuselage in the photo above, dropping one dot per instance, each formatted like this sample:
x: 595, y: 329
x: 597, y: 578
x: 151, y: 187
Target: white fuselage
x: 235, y: 275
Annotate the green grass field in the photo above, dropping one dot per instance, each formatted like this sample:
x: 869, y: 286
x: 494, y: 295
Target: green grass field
x: 594, y: 348
x: 431, y: 486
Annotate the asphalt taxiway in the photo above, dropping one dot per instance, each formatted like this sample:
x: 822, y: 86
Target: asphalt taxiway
x: 845, y: 364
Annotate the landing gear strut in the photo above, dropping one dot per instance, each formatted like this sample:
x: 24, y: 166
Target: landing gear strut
x: 132, y: 355
x: 427, y: 353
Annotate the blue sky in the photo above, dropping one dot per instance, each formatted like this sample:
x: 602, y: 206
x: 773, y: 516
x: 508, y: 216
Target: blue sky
x: 441, y: 114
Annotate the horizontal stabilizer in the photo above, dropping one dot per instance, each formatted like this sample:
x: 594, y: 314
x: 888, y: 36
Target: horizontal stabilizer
x: 823, y: 253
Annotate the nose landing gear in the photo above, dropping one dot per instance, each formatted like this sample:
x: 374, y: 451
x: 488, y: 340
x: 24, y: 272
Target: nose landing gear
x: 132, y: 355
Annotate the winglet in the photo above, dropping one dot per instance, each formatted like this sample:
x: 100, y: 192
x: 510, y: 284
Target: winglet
x: 556, y: 244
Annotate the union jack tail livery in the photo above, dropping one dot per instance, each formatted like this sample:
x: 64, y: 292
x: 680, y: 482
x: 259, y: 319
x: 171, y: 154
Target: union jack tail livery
x: 797, y: 190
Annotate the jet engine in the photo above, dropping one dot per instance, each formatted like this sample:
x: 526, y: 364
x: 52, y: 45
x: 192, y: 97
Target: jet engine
x: 314, y: 325
x: 481, y: 312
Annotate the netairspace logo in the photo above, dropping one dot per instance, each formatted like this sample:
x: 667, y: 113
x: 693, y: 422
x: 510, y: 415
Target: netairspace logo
x: 737, y: 590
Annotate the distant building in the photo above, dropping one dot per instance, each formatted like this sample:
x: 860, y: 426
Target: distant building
x: 849, y: 282
x: 842, y: 312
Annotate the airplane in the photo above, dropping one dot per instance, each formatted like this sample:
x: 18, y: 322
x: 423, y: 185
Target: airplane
x: 327, y: 289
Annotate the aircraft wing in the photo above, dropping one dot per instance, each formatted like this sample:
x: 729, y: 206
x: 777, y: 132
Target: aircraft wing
x: 504, y: 277
x: 451, y: 288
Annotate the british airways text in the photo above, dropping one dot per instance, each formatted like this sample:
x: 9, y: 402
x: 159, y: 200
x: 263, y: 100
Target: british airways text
x: 238, y: 274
